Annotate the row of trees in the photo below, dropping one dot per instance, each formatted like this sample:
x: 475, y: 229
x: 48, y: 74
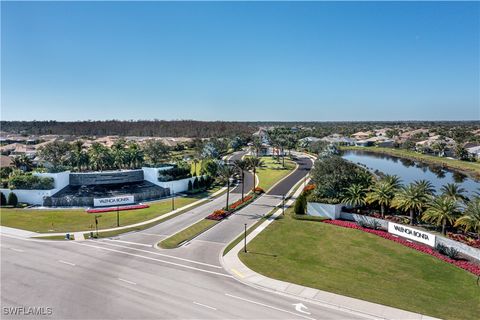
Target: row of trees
x: 339, y: 181
x: 449, y: 208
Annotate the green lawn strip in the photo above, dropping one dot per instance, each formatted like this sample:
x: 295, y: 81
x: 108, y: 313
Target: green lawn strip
x: 187, y: 234
x: 57, y: 238
x: 361, y: 265
x: 472, y: 168
x: 71, y: 220
x: 272, y: 171
x: 109, y: 234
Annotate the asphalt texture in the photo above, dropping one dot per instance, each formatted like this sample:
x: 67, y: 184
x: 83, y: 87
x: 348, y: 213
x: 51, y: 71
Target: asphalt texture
x: 126, y: 277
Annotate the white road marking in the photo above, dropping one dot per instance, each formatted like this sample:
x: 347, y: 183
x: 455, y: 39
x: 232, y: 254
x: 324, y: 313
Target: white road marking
x: 130, y: 282
x: 129, y: 242
x: 300, y: 306
x: 66, y: 262
x: 204, y: 305
x: 165, y: 255
x: 154, y: 259
x: 18, y: 250
x: 153, y: 234
x: 267, y: 306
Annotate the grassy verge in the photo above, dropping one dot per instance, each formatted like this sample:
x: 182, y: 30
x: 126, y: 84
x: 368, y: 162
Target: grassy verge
x: 472, y: 168
x: 360, y: 265
x: 70, y: 220
x: 273, y: 171
x: 187, y: 234
x: 57, y: 238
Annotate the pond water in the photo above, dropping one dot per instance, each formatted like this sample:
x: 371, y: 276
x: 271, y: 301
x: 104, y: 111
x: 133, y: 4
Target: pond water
x: 410, y: 170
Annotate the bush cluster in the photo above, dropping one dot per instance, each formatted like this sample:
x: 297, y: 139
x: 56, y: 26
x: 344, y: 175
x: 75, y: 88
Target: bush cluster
x: 30, y: 182
x: 176, y: 173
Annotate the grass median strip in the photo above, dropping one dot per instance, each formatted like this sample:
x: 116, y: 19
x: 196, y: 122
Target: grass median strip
x: 360, y: 265
x: 187, y: 234
x: 272, y: 171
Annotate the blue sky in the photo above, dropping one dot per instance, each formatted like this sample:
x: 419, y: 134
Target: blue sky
x: 240, y: 61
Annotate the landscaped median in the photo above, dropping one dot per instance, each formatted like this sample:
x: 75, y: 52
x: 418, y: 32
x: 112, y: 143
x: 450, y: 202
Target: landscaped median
x: 362, y: 265
x: 203, y: 225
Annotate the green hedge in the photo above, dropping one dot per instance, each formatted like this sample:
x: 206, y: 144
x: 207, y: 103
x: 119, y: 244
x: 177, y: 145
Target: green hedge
x: 30, y: 182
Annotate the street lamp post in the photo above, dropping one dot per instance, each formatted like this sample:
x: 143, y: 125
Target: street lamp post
x: 118, y: 218
x: 173, y: 199
x: 96, y: 225
x: 245, y: 240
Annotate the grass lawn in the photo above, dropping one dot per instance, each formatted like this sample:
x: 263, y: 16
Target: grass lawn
x: 472, y: 168
x: 361, y: 265
x: 70, y: 220
x: 187, y: 233
x: 272, y: 171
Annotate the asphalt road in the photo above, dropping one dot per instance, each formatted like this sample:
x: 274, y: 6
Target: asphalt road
x: 126, y: 278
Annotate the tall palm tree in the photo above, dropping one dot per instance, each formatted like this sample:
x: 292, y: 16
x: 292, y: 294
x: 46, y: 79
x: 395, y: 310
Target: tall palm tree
x: 424, y: 186
x: 253, y: 164
x: 226, y: 172
x: 242, y: 166
x: 195, y: 162
x: 134, y: 155
x: 393, y: 180
x: 411, y: 199
x: 355, y: 195
x: 454, y: 191
x: 440, y: 211
x: 470, y: 219
x: 382, y: 193
x: 22, y: 162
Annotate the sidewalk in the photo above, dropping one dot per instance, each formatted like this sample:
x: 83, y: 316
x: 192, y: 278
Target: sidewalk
x: 17, y: 232
x: 233, y: 265
x: 161, y: 217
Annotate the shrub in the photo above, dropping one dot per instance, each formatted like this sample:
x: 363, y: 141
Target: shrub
x: 300, y: 205
x: 201, y: 182
x: 30, y: 182
x: 450, y: 252
x: 195, y: 183
x: 12, y: 199
x: 258, y: 190
x: 190, y: 186
x: 176, y: 173
x: 3, y: 200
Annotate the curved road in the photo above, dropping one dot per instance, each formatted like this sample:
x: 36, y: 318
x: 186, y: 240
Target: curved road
x: 126, y: 278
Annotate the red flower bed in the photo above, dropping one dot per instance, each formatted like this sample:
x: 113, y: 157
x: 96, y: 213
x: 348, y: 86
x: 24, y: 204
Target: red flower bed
x: 309, y: 187
x: 258, y: 190
x: 111, y: 209
x: 464, y: 239
x: 475, y: 269
x: 237, y: 203
x: 218, y: 215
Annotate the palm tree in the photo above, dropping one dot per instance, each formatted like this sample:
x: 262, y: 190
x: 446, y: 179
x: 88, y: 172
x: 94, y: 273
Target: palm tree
x: 382, y: 193
x: 470, y: 220
x: 253, y: 164
x: 22, y: 162
x: 226, y: 172
x: 424, y: 186
x: 195, y: 162
x: 134, y: 155
x: 454, y: 191
x: 393, y: 180
x: 440, y: 211
x: 355, y: 195
x: 410, y: 198
x: 242, y: 166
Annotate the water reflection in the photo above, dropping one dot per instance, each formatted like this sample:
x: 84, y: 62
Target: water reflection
x: 410, y: 170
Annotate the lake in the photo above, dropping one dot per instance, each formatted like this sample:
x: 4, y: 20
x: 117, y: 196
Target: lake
x: 410, y: 170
